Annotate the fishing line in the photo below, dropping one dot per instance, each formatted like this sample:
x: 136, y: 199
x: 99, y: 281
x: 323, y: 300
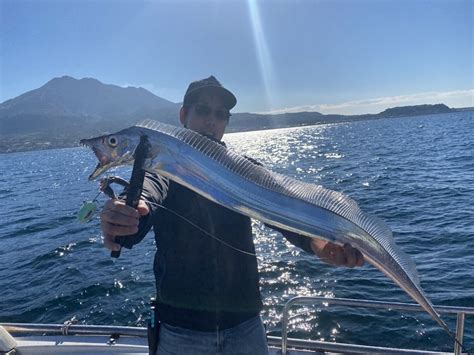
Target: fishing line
x: 202, y: 230
x: 88, y: 209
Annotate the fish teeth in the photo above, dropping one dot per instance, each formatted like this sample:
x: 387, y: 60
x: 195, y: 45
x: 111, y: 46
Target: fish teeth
x: 84, y: 144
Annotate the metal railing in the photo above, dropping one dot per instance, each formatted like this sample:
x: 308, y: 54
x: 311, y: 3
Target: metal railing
x: 304, y: 300
x: 74, y: 329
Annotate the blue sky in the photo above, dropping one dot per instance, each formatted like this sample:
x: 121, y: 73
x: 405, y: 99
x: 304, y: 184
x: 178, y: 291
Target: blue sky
x: 337, y: 56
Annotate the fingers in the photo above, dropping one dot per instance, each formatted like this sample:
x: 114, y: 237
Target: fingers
x: 328, y: 252
x: 334, y: 255
x: 118, y: 208
x: 350, y: 255
x: 118, y: 219
x: 337, y: 255
x: 118, y: 229
x: 353, y: 256
x: 143, y: 208
x: 317, y: 245
x: 110, y: 244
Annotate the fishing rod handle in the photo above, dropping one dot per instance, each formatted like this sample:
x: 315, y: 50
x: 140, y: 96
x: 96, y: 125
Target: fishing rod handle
x: 134, y: 190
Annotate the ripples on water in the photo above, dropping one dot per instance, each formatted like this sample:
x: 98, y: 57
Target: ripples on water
x: 415, y: 173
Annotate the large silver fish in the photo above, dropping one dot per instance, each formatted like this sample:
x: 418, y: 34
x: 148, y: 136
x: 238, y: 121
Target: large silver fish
x: 231, y: 180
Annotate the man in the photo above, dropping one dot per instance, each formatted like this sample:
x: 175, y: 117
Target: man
x: 208, y: 298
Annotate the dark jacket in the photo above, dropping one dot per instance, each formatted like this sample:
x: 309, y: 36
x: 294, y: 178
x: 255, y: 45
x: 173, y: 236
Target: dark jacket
x: 202, y: 283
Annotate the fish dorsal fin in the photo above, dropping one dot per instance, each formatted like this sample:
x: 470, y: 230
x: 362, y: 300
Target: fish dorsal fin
x: 317, y: 195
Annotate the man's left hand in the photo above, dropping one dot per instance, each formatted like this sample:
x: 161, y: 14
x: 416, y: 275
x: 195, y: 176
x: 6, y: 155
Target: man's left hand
x: 337, y: 255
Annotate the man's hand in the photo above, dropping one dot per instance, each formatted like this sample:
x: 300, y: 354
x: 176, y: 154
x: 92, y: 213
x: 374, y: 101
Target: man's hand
x: 337, y: 255
x: 118, y: 219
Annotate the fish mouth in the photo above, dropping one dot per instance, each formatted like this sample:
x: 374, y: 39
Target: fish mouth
x: 99, y: 169
x: 104, y: 161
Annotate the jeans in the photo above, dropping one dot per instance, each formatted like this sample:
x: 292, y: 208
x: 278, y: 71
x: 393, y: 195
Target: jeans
x: 248, y: 338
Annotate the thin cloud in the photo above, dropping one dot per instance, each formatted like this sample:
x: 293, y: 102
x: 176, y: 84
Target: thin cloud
x: 456, y: 98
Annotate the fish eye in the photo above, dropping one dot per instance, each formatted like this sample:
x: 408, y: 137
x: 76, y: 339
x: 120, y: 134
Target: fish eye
x: 112, y: 141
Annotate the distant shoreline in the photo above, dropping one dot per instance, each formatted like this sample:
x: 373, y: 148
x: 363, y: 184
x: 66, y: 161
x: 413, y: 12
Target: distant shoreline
x: 65, y: 110
x: 35, y: 142
x: 332, y: 118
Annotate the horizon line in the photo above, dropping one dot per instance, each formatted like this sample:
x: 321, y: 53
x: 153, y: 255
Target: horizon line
x: 464, y: 98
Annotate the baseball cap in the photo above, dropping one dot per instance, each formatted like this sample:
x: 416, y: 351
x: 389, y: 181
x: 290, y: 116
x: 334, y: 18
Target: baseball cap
x: 211, y: 83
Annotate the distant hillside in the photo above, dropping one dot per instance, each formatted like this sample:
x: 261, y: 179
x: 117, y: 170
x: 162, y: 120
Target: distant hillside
x: 65, y: 109
x: 417, y: 110
x: 462, y: 109
x: 66, y: 103
x: 250, y: 121
x: 254, y: 121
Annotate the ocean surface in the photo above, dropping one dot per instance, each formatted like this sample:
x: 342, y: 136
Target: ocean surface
x: 415, y: 173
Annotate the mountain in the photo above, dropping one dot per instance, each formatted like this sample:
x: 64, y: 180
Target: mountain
x: 66, y: 103
x: 66, y: 109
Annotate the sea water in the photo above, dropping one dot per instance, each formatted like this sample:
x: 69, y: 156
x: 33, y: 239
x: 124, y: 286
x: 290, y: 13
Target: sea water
x: 416, y: 173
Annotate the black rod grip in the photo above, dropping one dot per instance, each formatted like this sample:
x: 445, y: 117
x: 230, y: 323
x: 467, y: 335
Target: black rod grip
x: 134, y: 191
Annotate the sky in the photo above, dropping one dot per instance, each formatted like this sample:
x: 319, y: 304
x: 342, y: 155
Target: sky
x: 331, y: 56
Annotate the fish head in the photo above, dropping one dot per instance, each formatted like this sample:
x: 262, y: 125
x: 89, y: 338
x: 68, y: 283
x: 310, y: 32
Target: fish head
x: 111, y: 150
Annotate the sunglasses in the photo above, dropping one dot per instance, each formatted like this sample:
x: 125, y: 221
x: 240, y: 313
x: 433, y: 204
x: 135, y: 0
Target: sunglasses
x: 204, y: 110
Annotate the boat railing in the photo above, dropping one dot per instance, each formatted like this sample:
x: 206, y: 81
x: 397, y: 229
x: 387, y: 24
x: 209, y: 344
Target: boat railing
x: 461, y: 313
x: 73, y: 329
x: 69, y: 328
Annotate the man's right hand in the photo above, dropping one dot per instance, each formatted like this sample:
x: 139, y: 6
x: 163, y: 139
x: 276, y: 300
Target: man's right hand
x: 118, y: 219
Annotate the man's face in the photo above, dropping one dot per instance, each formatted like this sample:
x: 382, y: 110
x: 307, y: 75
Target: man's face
x: 207, y: 116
